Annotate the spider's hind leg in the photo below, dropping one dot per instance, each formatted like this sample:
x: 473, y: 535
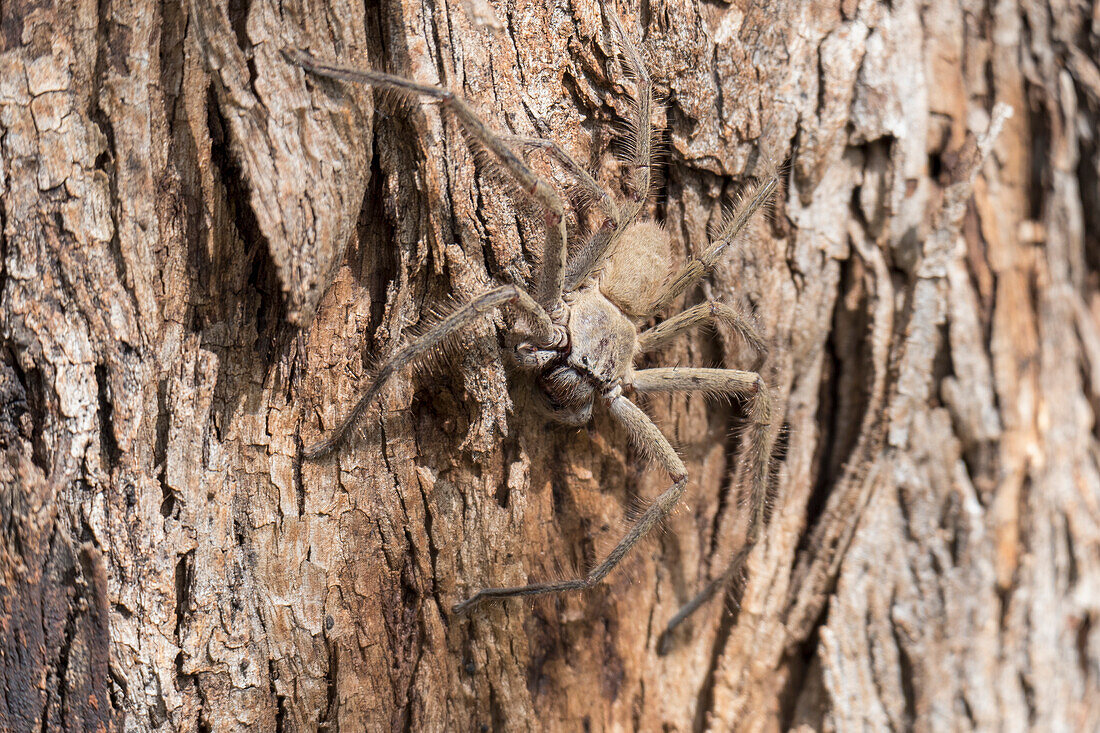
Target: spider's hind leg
x: 591, y: 188
x: 552, y: 274
x: 639, y: 157
x: 732, y: 383
x: 754, y: 198
x: 639, y: 138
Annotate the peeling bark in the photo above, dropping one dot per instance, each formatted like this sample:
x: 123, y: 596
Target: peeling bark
x: 204, y: 253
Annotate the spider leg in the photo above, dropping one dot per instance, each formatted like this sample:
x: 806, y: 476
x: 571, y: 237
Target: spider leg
x: 753, y: 199
x: 711, y: 311
x: 552, y: 273
x: 640, y: 137
x: 579, y: 265
x: 544, y: 332
x: 646, y: 435
x: 734, y: 383
x: 721, y: 582
x: 639, y: 143
x: 598, y: 193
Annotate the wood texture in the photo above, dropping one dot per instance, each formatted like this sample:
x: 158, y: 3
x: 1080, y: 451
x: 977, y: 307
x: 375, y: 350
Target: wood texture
x: 204, y: 252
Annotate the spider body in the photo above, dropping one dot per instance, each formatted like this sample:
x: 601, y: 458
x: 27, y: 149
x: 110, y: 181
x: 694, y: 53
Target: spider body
x: 599, y: 347
x: 598, y: 320
x: 637, y: 268
x: 579, y: 330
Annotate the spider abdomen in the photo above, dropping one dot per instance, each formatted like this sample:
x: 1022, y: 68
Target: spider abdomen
x: 634, y: 273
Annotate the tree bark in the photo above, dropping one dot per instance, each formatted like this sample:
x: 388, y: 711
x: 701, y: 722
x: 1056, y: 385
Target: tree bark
x: 205, y: 251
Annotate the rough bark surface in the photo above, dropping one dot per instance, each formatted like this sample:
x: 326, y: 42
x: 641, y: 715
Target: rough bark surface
x: 204, y: 252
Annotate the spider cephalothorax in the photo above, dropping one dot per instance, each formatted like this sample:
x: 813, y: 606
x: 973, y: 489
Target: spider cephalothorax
x: 580, y: 327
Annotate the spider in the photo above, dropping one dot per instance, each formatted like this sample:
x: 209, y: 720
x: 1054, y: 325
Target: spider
x: 580, y: 326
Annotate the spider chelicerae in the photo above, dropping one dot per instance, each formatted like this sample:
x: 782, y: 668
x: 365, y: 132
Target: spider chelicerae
x: 580, y: 324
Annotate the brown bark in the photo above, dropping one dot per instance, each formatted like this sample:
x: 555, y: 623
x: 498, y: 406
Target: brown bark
x: 204, y: 251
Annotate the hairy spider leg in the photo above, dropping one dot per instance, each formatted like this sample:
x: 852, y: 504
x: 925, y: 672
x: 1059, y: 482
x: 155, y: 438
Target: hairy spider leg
x: 731, y: 383
x: 591, y: 188
x: 753, y: 199
x: 721, y: 582
x: 639, y: 143
x: 544, y: 332
x: 640, y: 139
x: 709, y: 311
x: 552, y: 274
x: 650, y: 439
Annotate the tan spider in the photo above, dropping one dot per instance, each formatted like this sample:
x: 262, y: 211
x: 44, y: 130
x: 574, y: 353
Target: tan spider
x: 581, y: 337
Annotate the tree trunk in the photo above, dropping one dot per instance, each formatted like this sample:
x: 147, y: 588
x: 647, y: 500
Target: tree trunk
x: 205, y: 251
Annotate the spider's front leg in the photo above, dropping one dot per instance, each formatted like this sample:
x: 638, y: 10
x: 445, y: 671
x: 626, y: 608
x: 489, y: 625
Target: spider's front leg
x: 650, y: 439
x: 543, y: 330
x: 731, y: 383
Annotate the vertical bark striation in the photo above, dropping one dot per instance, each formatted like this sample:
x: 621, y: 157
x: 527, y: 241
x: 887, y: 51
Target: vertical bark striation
x: 205, y: 253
